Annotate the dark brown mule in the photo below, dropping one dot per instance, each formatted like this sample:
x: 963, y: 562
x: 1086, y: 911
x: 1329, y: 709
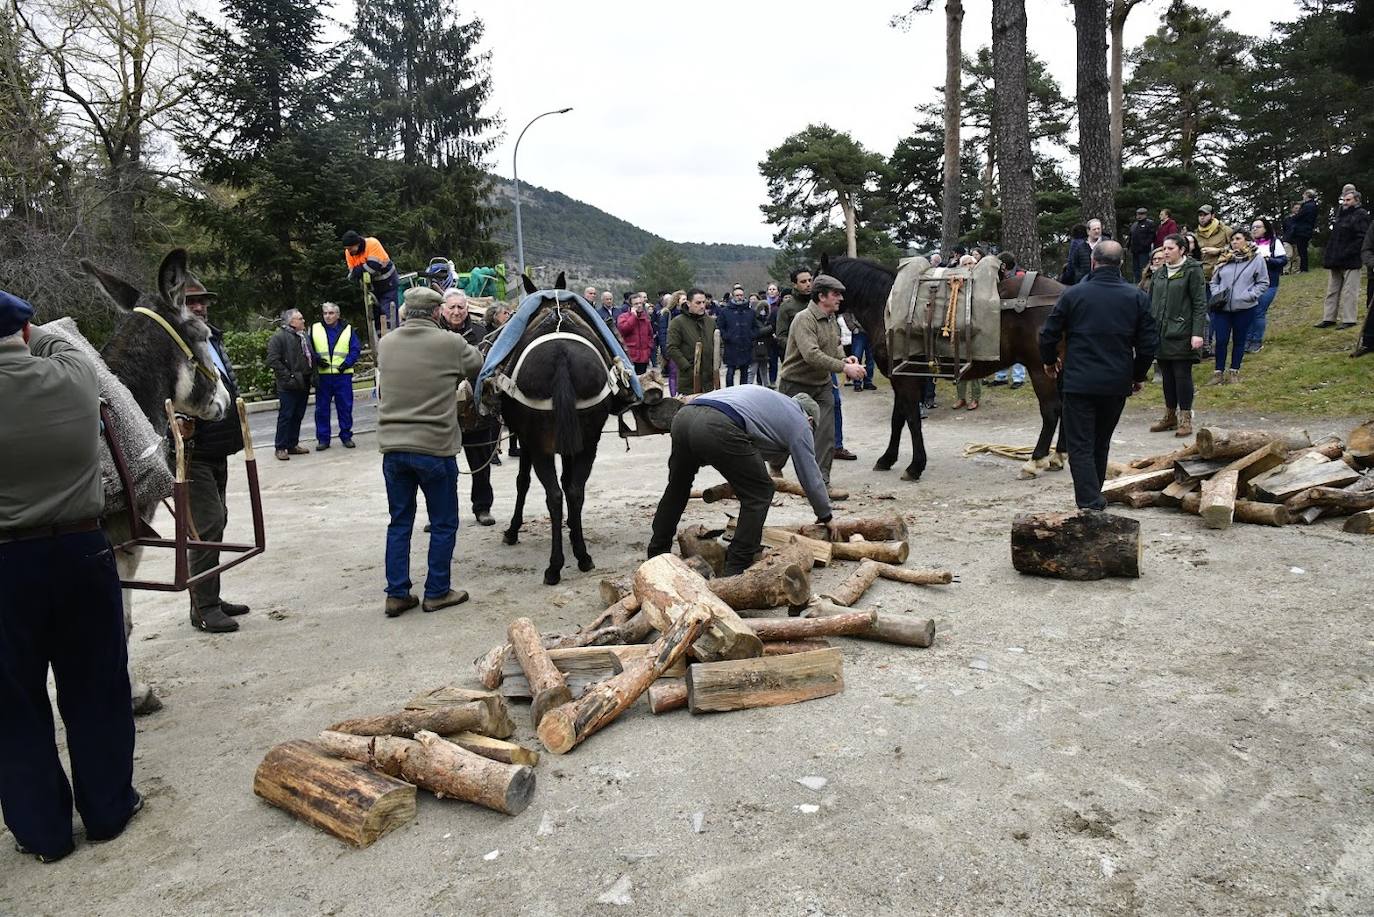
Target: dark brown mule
x: 867, y: 284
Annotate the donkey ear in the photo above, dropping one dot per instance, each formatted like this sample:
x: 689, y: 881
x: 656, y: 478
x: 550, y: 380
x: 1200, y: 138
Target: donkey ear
x: 530, y: 288
x: 119, y: 290
x: 825, y: 263
x: 171, y: 279
x: 561, y: 283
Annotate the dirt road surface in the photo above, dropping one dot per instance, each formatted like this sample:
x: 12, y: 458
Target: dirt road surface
x: 1193, y: 742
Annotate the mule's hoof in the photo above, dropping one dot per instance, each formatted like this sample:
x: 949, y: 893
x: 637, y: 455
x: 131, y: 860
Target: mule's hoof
x: 881, y: 465
x: 551, y: 577
x: 511, y: 538
x: 585, y: 564
x: 1057, y: 461
x: 147, y: 703
x: 908, y: 476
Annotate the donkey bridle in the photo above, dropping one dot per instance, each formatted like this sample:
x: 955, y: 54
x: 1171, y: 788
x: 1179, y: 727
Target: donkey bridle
x: 180, y: 342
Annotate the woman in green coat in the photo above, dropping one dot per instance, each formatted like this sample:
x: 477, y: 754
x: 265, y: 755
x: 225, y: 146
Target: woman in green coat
x: 1178, y: 299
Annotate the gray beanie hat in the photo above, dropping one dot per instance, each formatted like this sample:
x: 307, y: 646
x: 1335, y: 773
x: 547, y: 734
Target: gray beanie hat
x: 808, y: 406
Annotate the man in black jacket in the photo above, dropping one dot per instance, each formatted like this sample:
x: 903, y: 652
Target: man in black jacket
x: 1366, y: 342
x: 479, y: 443
x: 1142, y: 239
x: 1304, y: 225
x: 1111, y: 340
x: 207, y: 469
x: 1341, y: 258
x: 288, y: 356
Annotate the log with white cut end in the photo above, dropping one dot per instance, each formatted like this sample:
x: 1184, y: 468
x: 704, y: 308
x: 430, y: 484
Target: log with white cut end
x: 1082, y: 545
x: 349, y: 800
x: 438, y: 765
x: 565, y: 727
x: 1216, y: 443
x: 1218, y: 502
x: 887, y: 627
x: 667, y: 588
x: 495, y: 749
x: 1247, y: 511
x: 771, y: 681
x: 782, y: 577
x: 548, y: 687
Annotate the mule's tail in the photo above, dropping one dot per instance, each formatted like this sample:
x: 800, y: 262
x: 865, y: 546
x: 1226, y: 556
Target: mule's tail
x: 567, y: 426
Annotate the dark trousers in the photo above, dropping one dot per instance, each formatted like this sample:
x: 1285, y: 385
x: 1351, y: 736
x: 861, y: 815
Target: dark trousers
x: 61, y: 606
x: 1088, y: 423
x: 1177, y: 378
x: 1302, y: 245
x: 336, y: 389
x: 290, y: 413
x: 1233, y: 330
x: 1138, y: 262
x: 478, y: 448
x: 1367, y: 332
x: 207, y: 480
x: 703, y: 435
x: 743, y: 375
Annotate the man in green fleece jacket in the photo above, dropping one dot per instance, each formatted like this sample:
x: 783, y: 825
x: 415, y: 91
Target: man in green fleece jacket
x: 421, y: 366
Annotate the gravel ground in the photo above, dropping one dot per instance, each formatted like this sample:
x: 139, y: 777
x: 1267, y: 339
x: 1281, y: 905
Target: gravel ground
x: 1192, y: 742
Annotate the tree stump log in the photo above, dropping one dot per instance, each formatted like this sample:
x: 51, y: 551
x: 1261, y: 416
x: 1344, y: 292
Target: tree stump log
x: 667, y: 589
x: 491, y: 665
x: 1247, y: 511
x: 698, y: 541
x: 782, y: 577
x: 1082, y: 545
x: 346, y: 799
x: 1166, y: 460
x: 440, y: 766
x: 1361, y: 523
x: 667, y: 694
x: 566, y: 727
x: 822, y: 552
x: 887, y: 627
x: 1216, y: 443
x: 1360, y: 444
x: 847, y: 623
x: 548, y: 687
x: 1217, y: 505
x: 767, y: 682
x: 1142, y: 499
x: 1341, y: 502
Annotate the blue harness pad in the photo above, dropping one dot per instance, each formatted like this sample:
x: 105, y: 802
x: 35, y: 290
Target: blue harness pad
x: 514, y: 330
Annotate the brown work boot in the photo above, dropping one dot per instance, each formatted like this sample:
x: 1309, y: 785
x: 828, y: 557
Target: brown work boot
x: 1185, y: 424
x: 298, y: 450
x: 452, y: 597
x: 1233, y: 377
x: 1168, y: 422
x: 1218, y: 378
x: 399, y: 605
x: 282, y: 456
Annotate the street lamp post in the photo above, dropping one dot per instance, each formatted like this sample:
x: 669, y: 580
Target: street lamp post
x: 515, y: 168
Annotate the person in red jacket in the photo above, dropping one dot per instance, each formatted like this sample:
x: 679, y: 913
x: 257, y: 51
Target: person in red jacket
x: 1167, y: 227
x: 637, y: 330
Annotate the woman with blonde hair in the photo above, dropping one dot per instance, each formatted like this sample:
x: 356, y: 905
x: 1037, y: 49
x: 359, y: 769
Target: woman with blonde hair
x: 1238, y: 282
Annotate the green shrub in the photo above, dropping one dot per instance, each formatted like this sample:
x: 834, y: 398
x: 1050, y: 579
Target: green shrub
x: 248, y: 354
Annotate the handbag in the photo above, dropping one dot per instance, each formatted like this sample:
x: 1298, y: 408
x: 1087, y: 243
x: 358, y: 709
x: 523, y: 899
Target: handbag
x: 1220, y: 301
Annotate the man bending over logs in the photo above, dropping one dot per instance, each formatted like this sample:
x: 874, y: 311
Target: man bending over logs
x: 734, y: 430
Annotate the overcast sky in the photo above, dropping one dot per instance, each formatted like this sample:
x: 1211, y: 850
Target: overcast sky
x: 675, y: 104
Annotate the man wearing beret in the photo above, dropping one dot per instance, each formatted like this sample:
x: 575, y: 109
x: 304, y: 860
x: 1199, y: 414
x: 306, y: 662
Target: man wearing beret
x: 418, y: 435
x: 61, y: 606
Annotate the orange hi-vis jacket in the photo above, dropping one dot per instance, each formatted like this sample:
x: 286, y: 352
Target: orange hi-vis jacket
x: 374, y: 260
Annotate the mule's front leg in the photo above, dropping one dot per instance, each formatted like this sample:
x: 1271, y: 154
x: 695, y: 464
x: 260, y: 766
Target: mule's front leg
x: 522, y: 487
x: 553, y: 497
x: 894, y: 439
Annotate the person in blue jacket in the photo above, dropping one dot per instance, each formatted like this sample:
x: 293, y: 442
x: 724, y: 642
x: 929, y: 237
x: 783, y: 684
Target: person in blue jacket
x: 739, y: 328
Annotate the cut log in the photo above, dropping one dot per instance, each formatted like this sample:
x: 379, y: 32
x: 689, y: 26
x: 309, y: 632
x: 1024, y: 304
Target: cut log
x: 888, y: 627
x: 718, y: 492
x: 1277, y: 488
x: 548, y: 688
x: 1331, y: 448
x: 1186, y: 471
x: 1117, y: 469
x: 617, y: 614
x: 495, y: 749
x: 1173, y: 494
x: 1216, y: 443
x: 768, y: 682
x: 1143, y: 499
x: 667, y: 589
x: 1247, y: 511
x: 1117, y: 489
x: 847, y: 622
x: 1082, y: 545
x: 667, y: 694
x: 782, y: 577
x: 565, y: 727
x: 1341, y: 502
x: 497, y: 724
x: 1218, y: 501
x: 822, y: 552
x: 852, y: 589
x: 889, y: 552
x: 1166, y: 460
x: 491, y: 665
x: 698, y: 541
x: 1360, y: 444
x: 469, y: 717
x: 784, y: 647
x: 886, y: 527
x: 1360, y: 523
x: 438, y: 765
x: 613, y: 589
x: 917, y: 577
x: 1256, y: 463
x: 346, y: 799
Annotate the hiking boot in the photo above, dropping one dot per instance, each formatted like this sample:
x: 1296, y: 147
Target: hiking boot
x: 233, y: 610
x: 447, y: 600
x: 347, y: 443
x: 1233, y: 377
x: 282, y: 456
x: 213, y: 620
x: 1218, y: 378
x: 1185, y: 424
x: 320, y: 447
x: 399, y: 605
x: 298, y: 450
x: 1168, y: 422
x: 1324, y: 324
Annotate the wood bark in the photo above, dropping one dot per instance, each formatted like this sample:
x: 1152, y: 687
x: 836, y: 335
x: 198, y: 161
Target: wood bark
x: 768, y: 682
x: 782, y: 577
x: 887, y: 627
x: 667, y: 589
x: 1360, y: 444
x: 497, y: 724
x: 917, y: 577
x: 667, y: 694
x: 784, y: 647
x: 565, y: 727
x: 1247, y: 511
x: 468, y: 717
x: 1142, y: 499
x: 1082, y: 545
x: 495, y: 749
x: 1342, y: 502
x: 1097, y: 174
x: 889, y: 552
x: 1219, y: 443
x: 1121, y: 9
x: 1117, y: 489
x: 718, y: 492
x: 822, y: 552
x: 1015, y: 154
x: 617, y: 614
x: 548, y: 687
x: 856, y: 584
x: 1280, y: 487
x: 1217, y: 505
x: 849, y: 623
x: 1166, y: 460
x: 1360, y: 523
x: 491, y: 664
x: 346, y: 799
x: 438, y: 765
x: 950, y: 210
x: 654, y: 387
x: 698, y: 541
x: 886, y: 527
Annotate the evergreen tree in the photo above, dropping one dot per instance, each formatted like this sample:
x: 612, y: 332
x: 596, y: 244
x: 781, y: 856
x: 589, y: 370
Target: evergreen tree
x: 663, y: 268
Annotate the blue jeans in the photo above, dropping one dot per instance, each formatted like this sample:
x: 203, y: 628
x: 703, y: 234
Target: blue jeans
x: 730, y: 375
x: 1261, y: 311
x: 864, y: 353
x: 406, y: 472
x: 839, y: 411
x: 1231, y: 328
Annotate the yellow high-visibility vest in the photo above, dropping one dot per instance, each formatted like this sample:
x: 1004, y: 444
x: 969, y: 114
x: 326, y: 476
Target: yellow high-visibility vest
x: 330, y: 362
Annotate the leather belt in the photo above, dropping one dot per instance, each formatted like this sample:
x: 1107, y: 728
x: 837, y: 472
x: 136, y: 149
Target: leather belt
x: 49, y: 531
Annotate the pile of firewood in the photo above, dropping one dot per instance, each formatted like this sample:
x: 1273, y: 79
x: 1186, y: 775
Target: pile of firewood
x: 1258, y: 477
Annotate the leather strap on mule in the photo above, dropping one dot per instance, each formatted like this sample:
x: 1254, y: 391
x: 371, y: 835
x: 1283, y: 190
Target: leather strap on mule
x: 185, y: 348
x: 507, y: 384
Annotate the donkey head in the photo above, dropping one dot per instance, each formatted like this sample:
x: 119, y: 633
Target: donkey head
x: 148, y: 360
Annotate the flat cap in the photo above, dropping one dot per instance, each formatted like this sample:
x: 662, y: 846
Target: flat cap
x: 14, y: 314
x: 423, y: 298
x: 824, y: 283
x: 1205, y: 208
x: 809, y: 406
